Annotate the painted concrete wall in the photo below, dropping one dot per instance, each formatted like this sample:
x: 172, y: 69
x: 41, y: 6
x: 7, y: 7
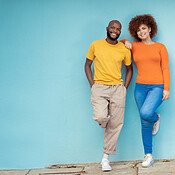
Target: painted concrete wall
x: 45, y: 109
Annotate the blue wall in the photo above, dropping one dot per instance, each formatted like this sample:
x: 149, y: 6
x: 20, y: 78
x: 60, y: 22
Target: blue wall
x: 45, y: 109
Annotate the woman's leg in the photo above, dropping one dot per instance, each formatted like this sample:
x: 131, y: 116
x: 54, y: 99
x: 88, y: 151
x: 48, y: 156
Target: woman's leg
x: 148, y: 98
x: 152, y: 102
x: 148, y: 116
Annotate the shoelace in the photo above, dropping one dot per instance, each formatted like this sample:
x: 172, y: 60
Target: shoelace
x: 105, y: 161
x: 146, y: 158
x: 155, y: 125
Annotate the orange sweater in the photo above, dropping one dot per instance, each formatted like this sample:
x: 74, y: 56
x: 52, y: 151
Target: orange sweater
x: 152, y: 63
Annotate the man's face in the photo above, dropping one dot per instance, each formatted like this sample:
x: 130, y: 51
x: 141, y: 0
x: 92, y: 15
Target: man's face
x: 113, y: 30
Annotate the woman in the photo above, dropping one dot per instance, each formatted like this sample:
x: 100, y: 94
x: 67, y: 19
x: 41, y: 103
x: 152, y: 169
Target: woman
x: 153, y: 79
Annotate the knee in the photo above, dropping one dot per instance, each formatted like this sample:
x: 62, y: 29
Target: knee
x: 102, y: 121
x: 145, y: 115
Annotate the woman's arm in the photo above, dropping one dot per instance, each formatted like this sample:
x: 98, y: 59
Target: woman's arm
x: 165, y: 72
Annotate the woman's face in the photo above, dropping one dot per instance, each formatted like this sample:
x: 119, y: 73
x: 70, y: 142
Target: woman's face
x: 143, y: 32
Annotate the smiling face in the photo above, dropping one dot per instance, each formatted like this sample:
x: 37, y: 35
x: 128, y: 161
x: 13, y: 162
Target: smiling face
x: 113, y: 30
x: 143, y: 32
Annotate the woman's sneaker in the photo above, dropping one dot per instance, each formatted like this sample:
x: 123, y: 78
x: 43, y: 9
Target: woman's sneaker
x: 156, y: 126
x: 105, y: 165
x: 148, y: 161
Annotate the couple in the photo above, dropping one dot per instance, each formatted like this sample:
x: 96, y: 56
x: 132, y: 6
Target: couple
x: 108, y: 92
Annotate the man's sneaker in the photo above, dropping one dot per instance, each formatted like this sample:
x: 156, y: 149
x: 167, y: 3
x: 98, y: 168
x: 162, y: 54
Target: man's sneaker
x: 148, y: 161
x: 156, y: 126
x: 105, y: 165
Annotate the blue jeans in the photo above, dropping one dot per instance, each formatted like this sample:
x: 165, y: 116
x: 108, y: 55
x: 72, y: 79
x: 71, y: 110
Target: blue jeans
x: 148, y: 98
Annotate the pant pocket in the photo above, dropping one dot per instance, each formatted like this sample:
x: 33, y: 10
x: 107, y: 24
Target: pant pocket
x: 119, y: 96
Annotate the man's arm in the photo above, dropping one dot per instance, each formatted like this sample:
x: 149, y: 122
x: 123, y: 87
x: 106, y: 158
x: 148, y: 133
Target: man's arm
x: 128, y: 77
x: 88, y: 71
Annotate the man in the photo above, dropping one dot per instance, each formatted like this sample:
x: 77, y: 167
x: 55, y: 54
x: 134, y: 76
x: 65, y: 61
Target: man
x: 107, y: 90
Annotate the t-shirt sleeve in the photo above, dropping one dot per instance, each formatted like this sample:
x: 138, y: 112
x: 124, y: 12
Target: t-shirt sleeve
x: 90, y: 54
x: 127, y: 60
x: 165, y: 67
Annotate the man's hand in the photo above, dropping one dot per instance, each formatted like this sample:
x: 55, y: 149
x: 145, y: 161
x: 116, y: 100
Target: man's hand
x: 166, y: 95
x: 92, y: 84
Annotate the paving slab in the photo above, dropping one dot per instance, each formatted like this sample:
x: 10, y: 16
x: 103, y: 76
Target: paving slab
x: 14, y: 172
x: 161, y: 167
x: 59, y: 170
x: 118, y: 168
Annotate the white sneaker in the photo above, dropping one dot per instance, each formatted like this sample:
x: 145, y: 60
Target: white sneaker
x: 105, y: 165
x: 156, y: 126
x: 148, y: 161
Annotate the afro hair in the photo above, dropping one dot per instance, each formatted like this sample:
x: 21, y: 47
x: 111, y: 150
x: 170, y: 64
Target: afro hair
x: 138, y: 20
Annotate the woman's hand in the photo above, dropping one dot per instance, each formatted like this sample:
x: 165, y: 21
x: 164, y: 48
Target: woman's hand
x: 128, y: 45
x: 166, y: 95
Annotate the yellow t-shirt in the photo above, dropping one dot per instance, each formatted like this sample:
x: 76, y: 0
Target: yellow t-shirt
x: 108, y: 61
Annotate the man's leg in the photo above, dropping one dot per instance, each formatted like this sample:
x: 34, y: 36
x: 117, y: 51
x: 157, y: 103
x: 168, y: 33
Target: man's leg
x: 115, y: 123
x: 100, y: 103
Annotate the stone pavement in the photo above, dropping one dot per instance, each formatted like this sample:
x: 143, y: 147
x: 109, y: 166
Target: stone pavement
x: 160, y: 167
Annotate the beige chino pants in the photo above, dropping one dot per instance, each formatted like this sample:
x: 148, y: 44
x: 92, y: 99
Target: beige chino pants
x: 108, y: 103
